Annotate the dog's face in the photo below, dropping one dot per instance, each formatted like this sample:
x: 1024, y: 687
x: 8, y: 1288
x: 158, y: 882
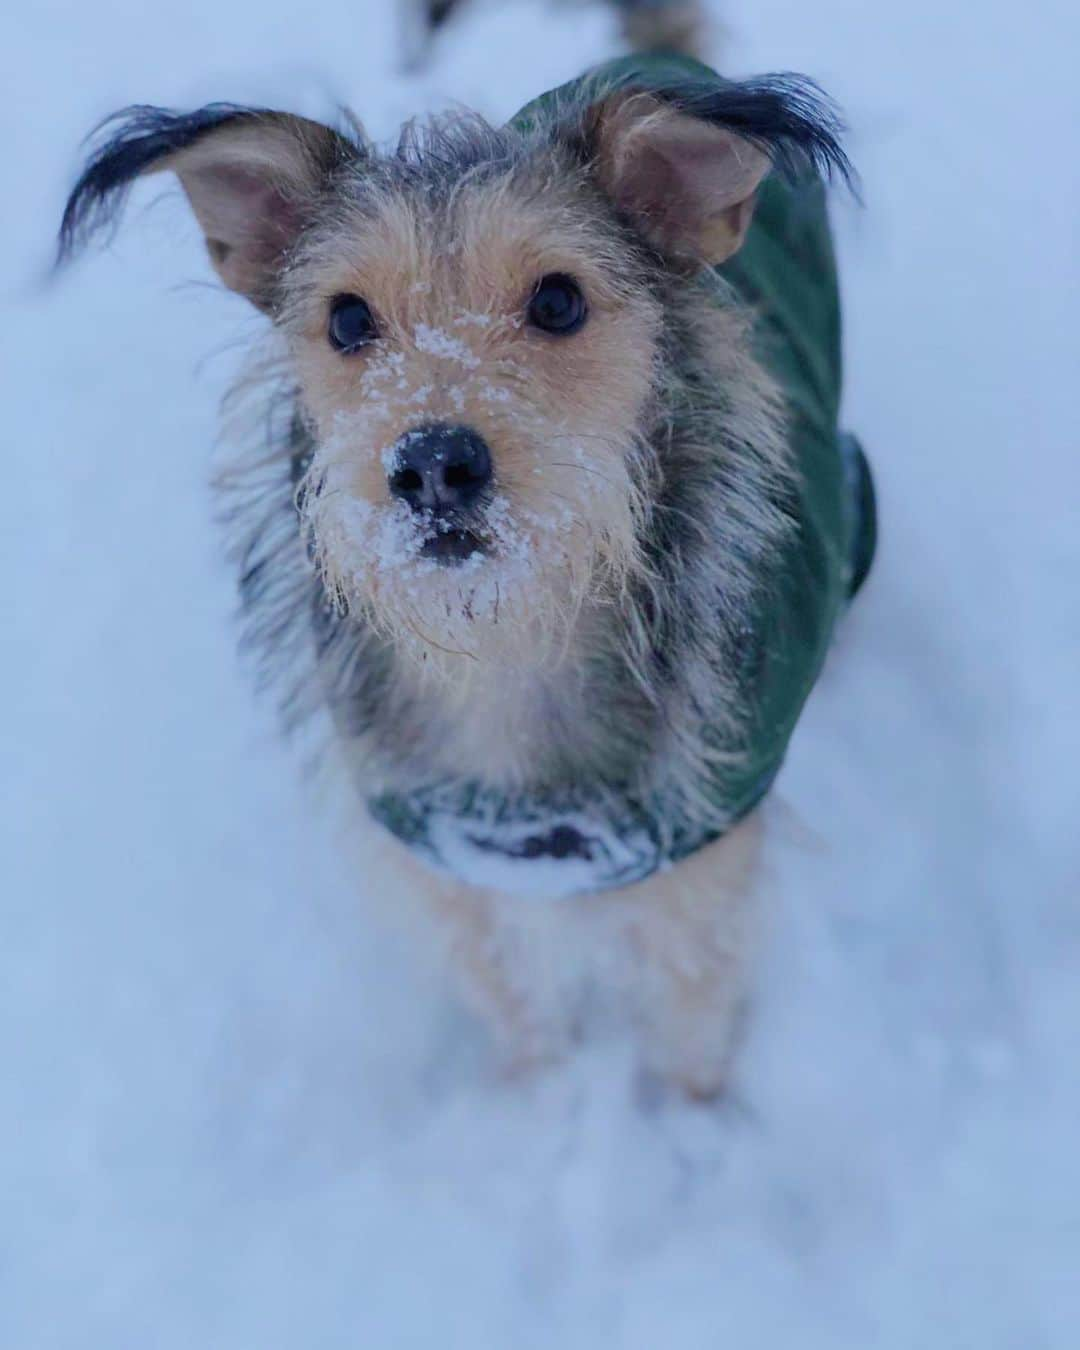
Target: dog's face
x: 475, y: 327
x: 477, y: 369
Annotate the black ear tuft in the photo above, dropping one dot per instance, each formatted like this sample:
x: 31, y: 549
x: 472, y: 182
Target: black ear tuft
x: 788, y: 116
x: 130, y: 143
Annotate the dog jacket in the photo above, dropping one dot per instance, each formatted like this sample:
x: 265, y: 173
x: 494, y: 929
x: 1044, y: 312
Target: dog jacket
x: 595, y: 836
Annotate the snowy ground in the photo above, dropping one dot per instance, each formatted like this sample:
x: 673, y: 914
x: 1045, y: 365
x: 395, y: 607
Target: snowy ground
x: 231, y: 1115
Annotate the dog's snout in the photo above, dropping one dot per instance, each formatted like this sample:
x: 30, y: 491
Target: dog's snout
x: 440, y: 467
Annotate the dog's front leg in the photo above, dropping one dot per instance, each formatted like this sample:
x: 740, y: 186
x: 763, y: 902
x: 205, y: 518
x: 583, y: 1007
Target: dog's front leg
x: 506, y: 972
x: 691, y: 933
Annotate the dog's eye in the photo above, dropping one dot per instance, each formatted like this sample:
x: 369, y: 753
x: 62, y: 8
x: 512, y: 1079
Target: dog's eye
x: 352, y: 323
x: 557, y: 305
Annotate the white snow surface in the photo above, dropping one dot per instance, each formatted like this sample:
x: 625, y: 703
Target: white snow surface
x: 238, y: 1112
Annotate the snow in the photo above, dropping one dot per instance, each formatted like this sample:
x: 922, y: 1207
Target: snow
x: 438, y: 342
x: 238, y: 1111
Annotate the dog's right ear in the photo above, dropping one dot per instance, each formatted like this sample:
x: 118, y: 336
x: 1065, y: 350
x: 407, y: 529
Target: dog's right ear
x: 253, y: 177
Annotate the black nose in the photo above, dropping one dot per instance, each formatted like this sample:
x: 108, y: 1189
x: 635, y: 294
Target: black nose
x: 439, y: 467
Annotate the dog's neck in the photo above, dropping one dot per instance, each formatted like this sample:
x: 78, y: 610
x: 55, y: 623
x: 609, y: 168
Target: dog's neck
x: 572, y: 715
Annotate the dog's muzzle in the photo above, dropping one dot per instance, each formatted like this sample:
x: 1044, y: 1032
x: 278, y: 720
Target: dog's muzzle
x: 443, y: 472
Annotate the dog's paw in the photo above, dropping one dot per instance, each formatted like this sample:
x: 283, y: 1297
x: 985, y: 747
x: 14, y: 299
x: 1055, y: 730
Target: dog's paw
x: 532, y: 1051
x: 658, y: 1082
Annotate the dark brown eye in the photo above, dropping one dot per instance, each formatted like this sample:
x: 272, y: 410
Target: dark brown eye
x: 352, y: 323
x: 557, y: 305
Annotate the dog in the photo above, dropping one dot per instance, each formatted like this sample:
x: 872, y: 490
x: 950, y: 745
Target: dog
x: 554, y: 518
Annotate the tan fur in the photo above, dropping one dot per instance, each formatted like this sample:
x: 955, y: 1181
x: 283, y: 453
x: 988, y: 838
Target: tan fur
x: 694, y: 932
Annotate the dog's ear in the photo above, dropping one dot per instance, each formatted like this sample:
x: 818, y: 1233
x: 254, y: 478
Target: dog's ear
x: 253, y: 178
x: 689, y: 186
x: 684, y: 163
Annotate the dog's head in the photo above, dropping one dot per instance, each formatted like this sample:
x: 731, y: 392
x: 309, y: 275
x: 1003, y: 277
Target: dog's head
x: 479, y: 325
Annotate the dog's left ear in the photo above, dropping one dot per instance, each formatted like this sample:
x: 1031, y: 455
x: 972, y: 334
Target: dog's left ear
x: 684, y: 164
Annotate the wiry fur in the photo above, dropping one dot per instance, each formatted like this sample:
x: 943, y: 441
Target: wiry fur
x: 641, y: 496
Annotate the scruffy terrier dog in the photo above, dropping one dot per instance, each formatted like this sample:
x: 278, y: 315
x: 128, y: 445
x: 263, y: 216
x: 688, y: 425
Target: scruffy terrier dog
x: 556, y: 519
